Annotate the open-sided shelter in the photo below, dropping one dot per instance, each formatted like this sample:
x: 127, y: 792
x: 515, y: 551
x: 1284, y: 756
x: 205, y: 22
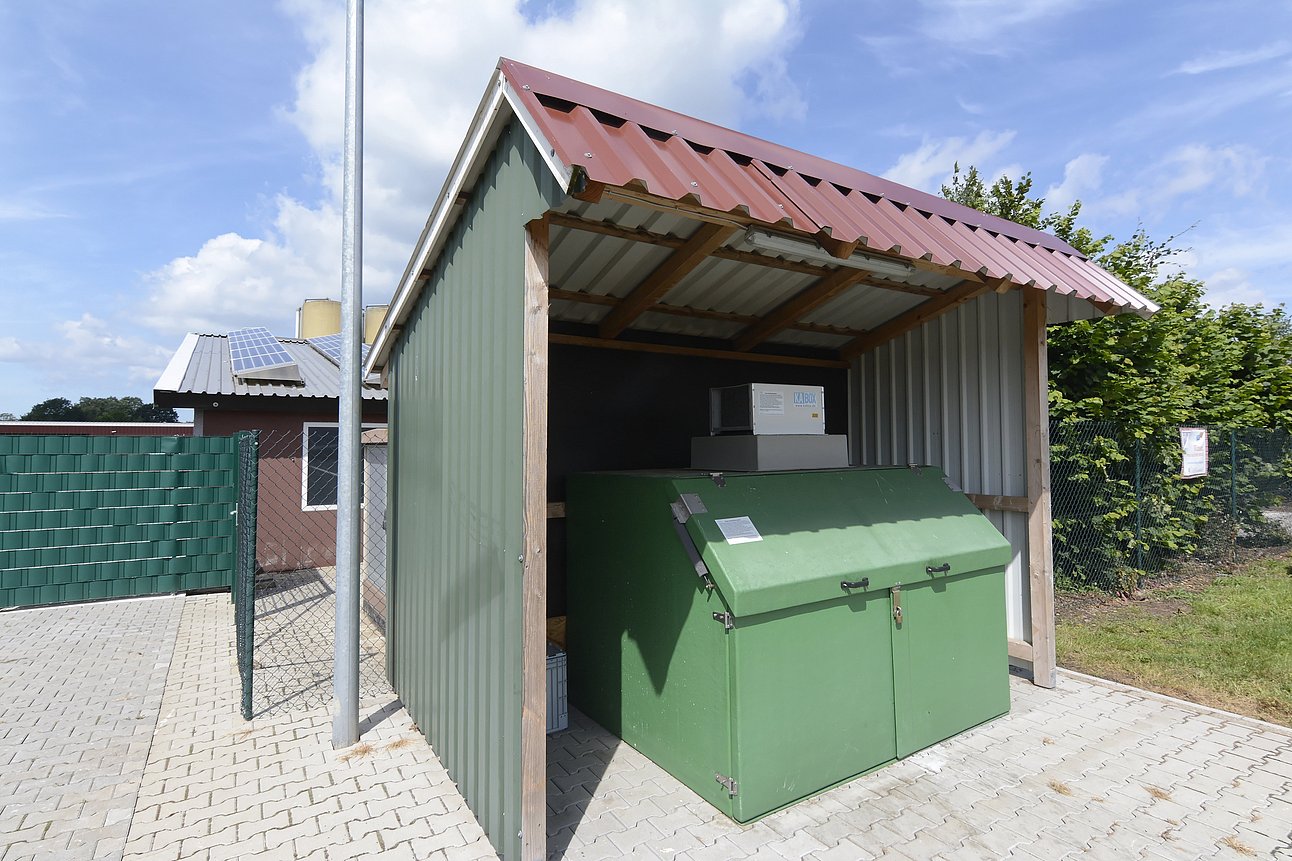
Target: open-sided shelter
x: 592, y: 266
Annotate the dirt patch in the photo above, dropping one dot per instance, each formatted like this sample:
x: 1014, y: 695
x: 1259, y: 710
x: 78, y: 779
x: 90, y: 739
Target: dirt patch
x: 1185, y: 575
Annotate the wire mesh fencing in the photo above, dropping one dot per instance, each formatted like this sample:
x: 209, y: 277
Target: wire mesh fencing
x: 1123, y: 511
x: 293, y: 587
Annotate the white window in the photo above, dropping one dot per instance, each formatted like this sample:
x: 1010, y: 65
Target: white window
x: 319, y: 465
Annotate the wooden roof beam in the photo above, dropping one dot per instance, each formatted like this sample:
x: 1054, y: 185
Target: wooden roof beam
x: 700, y: 313
x: 666, y: 276
x: 788, y: 313
x: 636, y: 234
x: 922, y: 313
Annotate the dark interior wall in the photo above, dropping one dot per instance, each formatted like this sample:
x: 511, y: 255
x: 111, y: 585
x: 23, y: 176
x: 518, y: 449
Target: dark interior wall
x: 613, y: 409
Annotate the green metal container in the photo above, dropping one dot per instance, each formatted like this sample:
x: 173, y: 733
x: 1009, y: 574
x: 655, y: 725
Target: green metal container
x: 765, y: 636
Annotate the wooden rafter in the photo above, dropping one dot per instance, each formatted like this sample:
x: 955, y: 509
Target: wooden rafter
x: 637, y: 234
x: 700, y: 313
x: 788, y: 313
x: 700, y: 352
x: 665, y: 277
x: 922, y: 313
x: 664, y: 204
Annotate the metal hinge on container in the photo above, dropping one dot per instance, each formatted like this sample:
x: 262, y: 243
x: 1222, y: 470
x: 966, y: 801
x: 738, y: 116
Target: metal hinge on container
x: 728, y: 783
x: 728, y: 621
x: 687, y: 504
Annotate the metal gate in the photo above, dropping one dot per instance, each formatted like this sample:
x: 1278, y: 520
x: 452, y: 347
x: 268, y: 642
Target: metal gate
x: 285, y: 585
x: 244, y: 580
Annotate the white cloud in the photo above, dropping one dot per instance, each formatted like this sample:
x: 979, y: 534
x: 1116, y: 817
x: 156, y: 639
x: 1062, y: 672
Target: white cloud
x: 427, y: 64
x: 1081, y: 175
x: 930, y: 164
x: 1229, y: 286
x: 976, y: 24
x: 1219, y: 60
x: 88, y: 350
x: 1189, y: 169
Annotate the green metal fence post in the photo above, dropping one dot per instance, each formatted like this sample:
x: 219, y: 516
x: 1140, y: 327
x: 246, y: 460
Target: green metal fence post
x: 1233, y: 491
x: 1139, y: 507
x: 245, y: 577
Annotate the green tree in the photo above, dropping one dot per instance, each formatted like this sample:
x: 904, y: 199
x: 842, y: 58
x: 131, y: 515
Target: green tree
x: 1119, y: 505
x: 125, y: 409
x: 55, y: 410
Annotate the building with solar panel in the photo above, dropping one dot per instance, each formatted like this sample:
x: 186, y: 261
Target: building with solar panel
x: 288, y: 390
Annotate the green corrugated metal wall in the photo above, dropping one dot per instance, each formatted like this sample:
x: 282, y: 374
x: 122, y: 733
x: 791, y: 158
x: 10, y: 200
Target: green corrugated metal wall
x: 455, y: 587
x: 85, y: 517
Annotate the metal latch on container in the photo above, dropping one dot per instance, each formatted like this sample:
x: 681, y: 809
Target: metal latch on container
x: 728, y: 621
x: 728, y: 783
x: 897, y: 603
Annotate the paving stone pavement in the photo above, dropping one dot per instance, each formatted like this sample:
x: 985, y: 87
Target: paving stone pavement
x: 1092, y: 770
x: 80, y: 689
x: 217, y: 787
x: 119, y: 735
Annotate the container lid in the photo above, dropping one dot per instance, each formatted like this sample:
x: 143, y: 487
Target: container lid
x: 784, y: 539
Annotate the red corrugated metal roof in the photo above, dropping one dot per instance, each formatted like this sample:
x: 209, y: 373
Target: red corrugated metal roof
x: 623, y: 142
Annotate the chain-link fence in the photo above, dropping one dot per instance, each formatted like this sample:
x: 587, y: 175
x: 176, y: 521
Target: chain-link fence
x: 293, y: 584
x: 1122, y: 510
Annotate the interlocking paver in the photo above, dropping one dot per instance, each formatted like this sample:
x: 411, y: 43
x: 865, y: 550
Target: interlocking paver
x: 1069, y: 773
x: 81, y: 684
x: 1078, y: 772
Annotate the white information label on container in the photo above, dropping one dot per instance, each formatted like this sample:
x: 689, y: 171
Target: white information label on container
x: 738, y: 530
x: 771, y: 403
x: 1193, y: 444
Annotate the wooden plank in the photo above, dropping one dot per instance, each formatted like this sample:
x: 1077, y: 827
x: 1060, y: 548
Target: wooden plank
x: 700, y: 313
x: 922, y: 313
x: 985, y: 502
x: 555, y: 510
x: 666, y: 276
x: 1040, y: 549
x: 533, y: 721
x: 788, y: 313
x: 700, y: 352
x: 1020, y: 650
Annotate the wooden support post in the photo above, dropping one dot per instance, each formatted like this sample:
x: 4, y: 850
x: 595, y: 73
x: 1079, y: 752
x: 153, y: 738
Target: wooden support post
x: 533, y: 720
x: 1040, y: 557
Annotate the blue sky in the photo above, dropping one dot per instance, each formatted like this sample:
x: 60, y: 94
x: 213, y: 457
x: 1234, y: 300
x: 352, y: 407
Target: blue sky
x: 173, y: 167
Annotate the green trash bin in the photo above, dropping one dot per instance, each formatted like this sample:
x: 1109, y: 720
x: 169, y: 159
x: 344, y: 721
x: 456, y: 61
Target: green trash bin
x: 765, y: 636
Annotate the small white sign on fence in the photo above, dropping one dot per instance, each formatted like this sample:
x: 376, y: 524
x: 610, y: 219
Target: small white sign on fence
x: 1193, y: 445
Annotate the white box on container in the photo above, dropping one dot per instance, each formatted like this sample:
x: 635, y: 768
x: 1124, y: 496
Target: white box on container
x: 558, y: 708
x: 767, y: 408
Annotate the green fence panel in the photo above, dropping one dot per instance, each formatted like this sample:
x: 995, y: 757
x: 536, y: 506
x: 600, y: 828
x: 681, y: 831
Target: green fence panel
x: 97, y: 517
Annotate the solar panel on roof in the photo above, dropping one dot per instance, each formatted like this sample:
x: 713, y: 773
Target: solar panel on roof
x: 330, y: 346
x: 257, y: 355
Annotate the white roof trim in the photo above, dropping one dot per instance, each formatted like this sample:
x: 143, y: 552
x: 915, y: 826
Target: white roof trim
x: 496, y: 108
x: 173, y: 376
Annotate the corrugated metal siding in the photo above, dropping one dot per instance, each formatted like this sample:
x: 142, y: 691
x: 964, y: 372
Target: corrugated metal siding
x: 457, y: 503
x: 950, y: 394
x: 85, y: 517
